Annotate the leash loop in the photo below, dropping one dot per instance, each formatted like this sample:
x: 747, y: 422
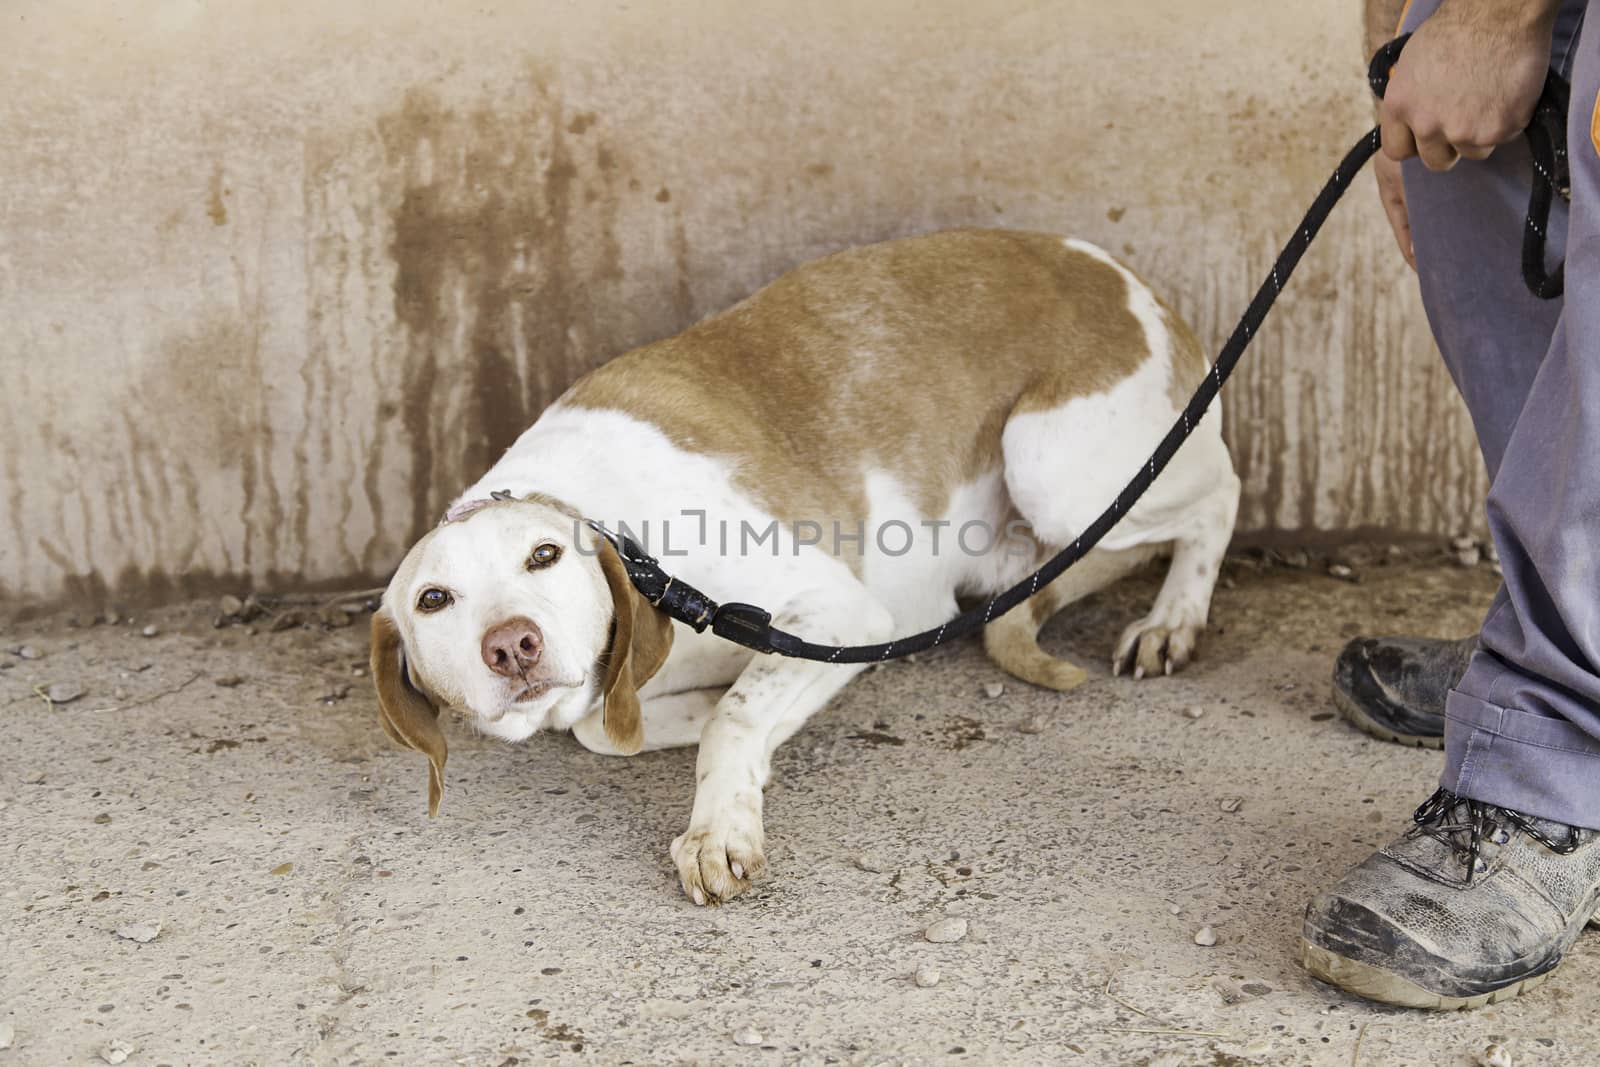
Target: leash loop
x: 751, y: 626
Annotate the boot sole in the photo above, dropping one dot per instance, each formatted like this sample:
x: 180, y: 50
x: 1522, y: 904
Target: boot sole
x: 1355, y: 716
x: 1386, y: 987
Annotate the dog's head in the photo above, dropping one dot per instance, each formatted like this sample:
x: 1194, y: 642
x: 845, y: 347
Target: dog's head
x: 520, y: 615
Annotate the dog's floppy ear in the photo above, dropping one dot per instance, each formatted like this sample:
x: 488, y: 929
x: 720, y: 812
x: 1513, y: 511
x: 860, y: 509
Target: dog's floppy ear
x: 409, y: 717
x: 641, y: 637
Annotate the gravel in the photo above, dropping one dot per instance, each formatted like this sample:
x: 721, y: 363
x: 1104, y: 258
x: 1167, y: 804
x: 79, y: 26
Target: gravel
x: 115, y: 1051
x: 992, y: 690
x: 64, y: 692
x: 143, y: 933
x: 946, y: 931
x: 1205, y: 937
x: 1495, y: 1056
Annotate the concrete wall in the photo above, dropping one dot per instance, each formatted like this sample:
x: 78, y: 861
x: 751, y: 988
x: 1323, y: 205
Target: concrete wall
x: 276, y: 279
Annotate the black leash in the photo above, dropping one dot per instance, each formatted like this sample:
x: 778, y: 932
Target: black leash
x: 751, y: 626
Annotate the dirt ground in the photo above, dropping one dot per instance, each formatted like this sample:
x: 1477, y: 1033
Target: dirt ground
x: 228, y: 791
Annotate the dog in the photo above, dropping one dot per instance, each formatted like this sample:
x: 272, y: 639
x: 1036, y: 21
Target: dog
x: 855, y: 446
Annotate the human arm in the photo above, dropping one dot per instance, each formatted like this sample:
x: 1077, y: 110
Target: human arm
x: 1382, y: 22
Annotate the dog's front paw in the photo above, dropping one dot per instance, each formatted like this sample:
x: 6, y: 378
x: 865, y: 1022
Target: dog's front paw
x: 1153, y: 647
x: 718, y: 861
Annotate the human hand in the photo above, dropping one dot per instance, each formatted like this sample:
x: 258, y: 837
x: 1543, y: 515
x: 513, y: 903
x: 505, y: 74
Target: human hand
x: 1392, y: 194
x: 1467, y: 82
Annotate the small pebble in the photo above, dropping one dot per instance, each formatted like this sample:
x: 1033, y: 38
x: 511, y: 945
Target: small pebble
x: 119, y: 693
x: 1259, y: 1047
x: 992, y: 690
x: 230, y: 605
x: 1230, y: 993
x: 144, y: 933
x: 116, y: 1051
x: 1342, y: 572
x: 1205, y: 936
x: 29, y: 652
x: 8, y: 1035
x: 1194, y: 711
x: 228, y: 681
x: 359, y: 672
x: 1033, y: 724
x: 1495, y: 1056
x: 1231, y: 804
x: 1470, y: 557
x: 946, y: 931
x: 747, y: 1036
x: 64, y: 692
x: 151, y: 631
x: 867, y: 863
x: 286, y: 621
x: 333, y: 617
x: 1175, y: 909
x: 927, y: 977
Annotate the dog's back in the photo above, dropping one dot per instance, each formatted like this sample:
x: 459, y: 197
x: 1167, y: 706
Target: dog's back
x: 904, y: 358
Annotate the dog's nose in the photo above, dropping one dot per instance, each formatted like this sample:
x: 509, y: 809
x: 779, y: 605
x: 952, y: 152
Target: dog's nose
x: 512, y: 646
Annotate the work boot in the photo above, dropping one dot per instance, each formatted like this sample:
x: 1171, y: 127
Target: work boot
x: 1473, y: 904
x: 1394, y: 687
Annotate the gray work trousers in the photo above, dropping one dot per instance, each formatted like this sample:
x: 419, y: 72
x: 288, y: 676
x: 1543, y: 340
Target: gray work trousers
x: 1523, y: 727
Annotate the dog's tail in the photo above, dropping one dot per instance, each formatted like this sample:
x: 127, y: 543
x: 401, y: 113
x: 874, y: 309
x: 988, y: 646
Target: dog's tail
x: 1012, y: 641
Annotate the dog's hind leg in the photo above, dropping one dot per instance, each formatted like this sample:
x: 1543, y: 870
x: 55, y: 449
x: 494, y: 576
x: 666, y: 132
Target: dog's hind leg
x: 1164, y: 640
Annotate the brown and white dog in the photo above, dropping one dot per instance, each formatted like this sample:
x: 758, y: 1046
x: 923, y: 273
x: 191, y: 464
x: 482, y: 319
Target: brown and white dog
x: 826, y: 448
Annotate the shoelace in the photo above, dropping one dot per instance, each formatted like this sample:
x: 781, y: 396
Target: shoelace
x: 1445, y: 815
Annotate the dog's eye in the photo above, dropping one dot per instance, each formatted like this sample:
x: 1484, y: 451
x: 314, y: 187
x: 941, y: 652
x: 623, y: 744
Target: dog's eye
x: 434, y: 599
x: 543, y: 556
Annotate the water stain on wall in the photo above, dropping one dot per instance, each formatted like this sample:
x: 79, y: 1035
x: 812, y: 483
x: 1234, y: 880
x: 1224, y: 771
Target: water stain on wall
x: 331, y: 350
x: 489, y: 281
x: 215, y: 208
